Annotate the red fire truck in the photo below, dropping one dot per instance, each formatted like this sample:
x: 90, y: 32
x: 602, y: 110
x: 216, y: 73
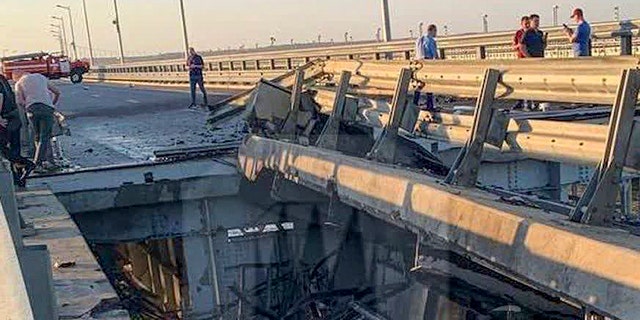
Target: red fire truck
x: 50, y: 65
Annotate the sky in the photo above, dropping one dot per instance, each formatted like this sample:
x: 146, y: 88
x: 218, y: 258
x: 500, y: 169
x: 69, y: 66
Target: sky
x: 154, y: 26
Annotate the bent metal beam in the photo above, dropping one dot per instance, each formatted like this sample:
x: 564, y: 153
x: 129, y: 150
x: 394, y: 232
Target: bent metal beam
x: 592, y: 267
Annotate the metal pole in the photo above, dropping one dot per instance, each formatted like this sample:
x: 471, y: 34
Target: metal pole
x: 616, y: 13
x: 212, y: 254
x: 64, y: 34
x: 117, y: 23
x: 73, y: 34
x: 485, y: 23
x: 386, y: 21
x: 421, y: 29
x: 184, y: 30
x: 555, y: 15
x: 60, y: 30
x: 86, y: 21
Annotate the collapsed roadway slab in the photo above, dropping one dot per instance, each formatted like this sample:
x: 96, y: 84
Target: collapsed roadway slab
x: 143, y: 184
x: 591, y: 266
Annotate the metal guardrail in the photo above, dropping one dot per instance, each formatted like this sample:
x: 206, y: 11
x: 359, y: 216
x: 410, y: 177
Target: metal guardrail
x: 242, y: 70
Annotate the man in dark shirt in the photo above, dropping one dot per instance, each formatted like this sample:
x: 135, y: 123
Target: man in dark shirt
x: 196, y: 64
x: 10, y: 134
x: 534, y: 41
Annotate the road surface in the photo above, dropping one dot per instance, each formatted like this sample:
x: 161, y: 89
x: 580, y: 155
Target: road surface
x: 114, y: 124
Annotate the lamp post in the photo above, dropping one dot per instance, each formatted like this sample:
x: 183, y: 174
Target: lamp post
x: 56, y: 34
x: 64, y: 32
x: 386, y: 21
x: 420, y: 28
x: 116, y: 22
x: 616, y: 13
x: 86, y: 22
x: 184, y: 29
x: 485, y: 23
x: 73, y: 35
x: 555, y: 15
x: 378, y: 34
x: 446, y: 30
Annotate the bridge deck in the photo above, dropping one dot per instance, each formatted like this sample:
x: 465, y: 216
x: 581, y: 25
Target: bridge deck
x: 82, y: 289
x: 594, y: 266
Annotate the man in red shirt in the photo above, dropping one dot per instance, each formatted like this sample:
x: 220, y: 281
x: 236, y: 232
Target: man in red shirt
x: 525, y: 24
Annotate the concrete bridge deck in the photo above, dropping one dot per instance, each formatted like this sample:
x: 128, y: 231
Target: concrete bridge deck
x: 590, y: 265
x: 82, y: 289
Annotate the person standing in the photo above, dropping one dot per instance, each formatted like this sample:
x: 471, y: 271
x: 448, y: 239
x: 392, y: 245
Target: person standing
x: 534, y: 41
x: 196, y: 65
x: 581, y: 37
x: 427, y: 49
x: 10, y: 142
x: 525, y: 24
x: 39, y: 97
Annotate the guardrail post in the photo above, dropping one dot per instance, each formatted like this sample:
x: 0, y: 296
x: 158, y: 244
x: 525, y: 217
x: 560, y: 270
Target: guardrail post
x: 289, y: 64
x: 330, y: 133
x: 244, y: 65
x: 384, y: 149
x: 290, y: 125
x: 625, y: 34
x: 481, y: 53
x: 464, y: 171
x: 272, y: 64
x: 597, y: 204
x: 231, y: 65
x: 442, y: 54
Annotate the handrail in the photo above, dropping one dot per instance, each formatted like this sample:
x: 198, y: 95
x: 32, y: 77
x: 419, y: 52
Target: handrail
x: 601, y: 30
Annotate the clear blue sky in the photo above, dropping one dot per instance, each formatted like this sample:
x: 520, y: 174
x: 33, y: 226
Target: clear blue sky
x: 152, y: 26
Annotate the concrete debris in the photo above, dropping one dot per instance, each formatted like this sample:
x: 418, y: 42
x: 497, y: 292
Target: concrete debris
x: 64, y: 265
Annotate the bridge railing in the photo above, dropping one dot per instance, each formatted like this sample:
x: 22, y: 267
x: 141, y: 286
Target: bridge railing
x: 242, y: 70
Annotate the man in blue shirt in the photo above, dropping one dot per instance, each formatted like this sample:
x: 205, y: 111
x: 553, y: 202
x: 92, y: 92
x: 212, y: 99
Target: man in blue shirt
x: 427, y: 48
x: 581, y: 38
x: 196, y: 64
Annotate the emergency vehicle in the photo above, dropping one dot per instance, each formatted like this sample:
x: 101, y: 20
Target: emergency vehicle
x: 49, y: 65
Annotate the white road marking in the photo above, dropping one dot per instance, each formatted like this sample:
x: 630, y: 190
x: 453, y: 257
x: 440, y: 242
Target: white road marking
x: 134, y: 101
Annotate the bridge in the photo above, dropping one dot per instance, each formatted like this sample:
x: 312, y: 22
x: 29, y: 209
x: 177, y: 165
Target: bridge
x: 335, y: 188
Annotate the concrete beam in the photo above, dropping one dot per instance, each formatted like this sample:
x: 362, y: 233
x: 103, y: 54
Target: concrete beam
x: 591, y: 266
x: 120, y: 187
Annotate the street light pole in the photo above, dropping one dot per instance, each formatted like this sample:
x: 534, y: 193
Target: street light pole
x: 73, y: 35
x: 86, y: 21
x: 184, y: 30
x: 616, y: 13
x: 117, y: 23
x: 56, y: 34
x: 485, y: 23
x: 386, y: 21
x: 555, y: 15
x: 64, y: 33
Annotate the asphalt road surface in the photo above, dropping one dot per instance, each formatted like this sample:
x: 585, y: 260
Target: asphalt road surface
x: 114, y: 124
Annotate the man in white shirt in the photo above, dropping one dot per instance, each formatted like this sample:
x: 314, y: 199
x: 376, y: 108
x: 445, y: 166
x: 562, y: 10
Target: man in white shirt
x: 38, y: 96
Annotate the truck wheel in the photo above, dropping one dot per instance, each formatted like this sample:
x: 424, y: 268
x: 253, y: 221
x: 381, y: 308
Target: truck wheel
x: 76, y: 77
